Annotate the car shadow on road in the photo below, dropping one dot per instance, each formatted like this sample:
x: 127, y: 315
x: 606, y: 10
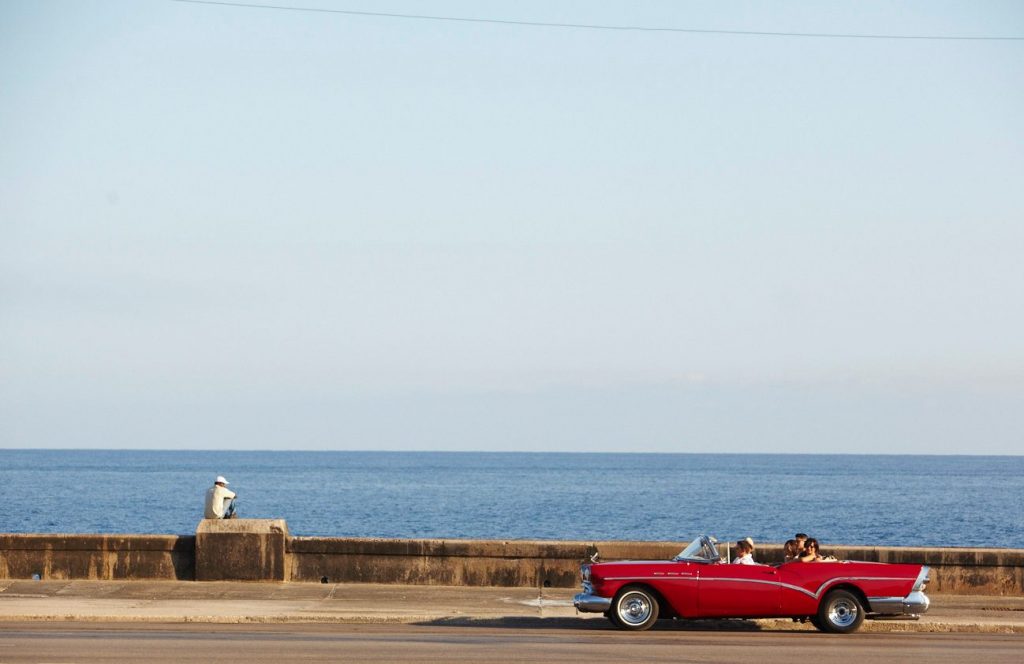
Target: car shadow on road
x: 595, y: 625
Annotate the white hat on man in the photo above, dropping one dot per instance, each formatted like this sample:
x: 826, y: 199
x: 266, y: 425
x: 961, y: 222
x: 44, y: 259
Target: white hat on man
x: 220, y: 480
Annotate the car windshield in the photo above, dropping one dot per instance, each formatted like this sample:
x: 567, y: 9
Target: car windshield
x: 701, y: 549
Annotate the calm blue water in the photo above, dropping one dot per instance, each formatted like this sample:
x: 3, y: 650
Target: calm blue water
x: 888, y: 500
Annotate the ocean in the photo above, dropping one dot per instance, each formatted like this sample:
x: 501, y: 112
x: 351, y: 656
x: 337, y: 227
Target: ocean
x: 840, y: 499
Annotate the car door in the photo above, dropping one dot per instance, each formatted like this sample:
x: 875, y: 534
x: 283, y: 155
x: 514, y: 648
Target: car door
x: 739, y: 591
x: 677, y: 583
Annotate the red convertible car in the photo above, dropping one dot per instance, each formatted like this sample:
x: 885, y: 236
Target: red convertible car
x: 834, y: 596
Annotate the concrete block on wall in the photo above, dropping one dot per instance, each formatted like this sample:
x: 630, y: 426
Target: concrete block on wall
x: 241, y: 550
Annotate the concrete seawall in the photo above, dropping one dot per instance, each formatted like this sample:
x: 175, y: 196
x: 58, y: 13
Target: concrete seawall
x: 556, y: 564
x: 262, y: 550
x: 98, y: 557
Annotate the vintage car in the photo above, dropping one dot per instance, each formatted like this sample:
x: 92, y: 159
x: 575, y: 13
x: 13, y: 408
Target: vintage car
x: 834, y: 596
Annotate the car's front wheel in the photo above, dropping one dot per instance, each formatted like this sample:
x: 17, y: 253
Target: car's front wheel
x: 841, y: 612
x: 634, y: 608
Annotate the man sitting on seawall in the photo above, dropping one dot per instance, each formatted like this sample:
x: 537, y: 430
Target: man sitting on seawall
x: 220, y: 501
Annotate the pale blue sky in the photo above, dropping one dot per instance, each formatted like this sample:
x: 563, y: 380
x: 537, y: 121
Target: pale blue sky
x: 243, y: 228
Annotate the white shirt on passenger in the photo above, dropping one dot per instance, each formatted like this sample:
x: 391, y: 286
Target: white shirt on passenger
x: 217, y: 499
x: 746, y: 559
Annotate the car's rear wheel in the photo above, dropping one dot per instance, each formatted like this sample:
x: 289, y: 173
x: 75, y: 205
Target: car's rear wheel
x: 634, y: 608
x: 841, y: 612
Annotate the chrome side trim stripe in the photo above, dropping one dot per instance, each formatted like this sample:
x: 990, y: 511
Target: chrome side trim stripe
x: 822, y: 587
x: 681, y: 577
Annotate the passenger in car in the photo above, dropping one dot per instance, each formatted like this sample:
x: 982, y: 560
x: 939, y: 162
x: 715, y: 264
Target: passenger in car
x: 810, y: 552
x: 790, y: 550
x: 744, y: 553
x: 800, y: 539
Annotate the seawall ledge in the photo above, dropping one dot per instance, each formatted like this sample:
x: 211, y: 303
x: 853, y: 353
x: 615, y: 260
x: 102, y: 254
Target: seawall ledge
x: 265, y: 550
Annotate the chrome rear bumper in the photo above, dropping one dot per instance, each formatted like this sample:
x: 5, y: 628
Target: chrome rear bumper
x: 913, y: 604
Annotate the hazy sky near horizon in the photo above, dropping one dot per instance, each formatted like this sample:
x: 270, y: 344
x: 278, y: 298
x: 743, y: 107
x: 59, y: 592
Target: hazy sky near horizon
x: 243, y: 228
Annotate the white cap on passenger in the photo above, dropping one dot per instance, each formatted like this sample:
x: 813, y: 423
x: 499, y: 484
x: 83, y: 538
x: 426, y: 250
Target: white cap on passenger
x: 220, y: 480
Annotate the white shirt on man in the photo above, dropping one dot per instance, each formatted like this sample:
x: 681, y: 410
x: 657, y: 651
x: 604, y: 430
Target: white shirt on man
x: 745, y: 559
x: 217, y: 499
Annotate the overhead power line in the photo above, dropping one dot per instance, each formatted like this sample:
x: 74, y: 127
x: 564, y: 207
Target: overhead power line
x: 594, y: 26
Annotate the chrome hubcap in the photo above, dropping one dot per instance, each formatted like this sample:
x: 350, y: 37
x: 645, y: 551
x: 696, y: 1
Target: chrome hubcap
x: 842, y: 613
x: 634, y: 608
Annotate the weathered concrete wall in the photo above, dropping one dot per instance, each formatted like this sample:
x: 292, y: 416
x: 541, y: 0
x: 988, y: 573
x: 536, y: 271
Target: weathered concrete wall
x: 101, y: 557
x: 256, y: 549
x: 556, y: 564
x: 241, y: 550
x: 437, y: 562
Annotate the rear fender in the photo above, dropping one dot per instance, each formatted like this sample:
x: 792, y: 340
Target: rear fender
x: 848, y: 587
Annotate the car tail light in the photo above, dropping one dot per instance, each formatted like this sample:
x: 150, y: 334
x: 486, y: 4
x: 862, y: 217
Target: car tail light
x: 922, y: 578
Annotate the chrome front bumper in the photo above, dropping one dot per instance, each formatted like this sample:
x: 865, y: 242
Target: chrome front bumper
x: 591, y: 603
x: 587, y: 601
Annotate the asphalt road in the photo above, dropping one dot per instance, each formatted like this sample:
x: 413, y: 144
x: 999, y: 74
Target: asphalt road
x: 126, y: 642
